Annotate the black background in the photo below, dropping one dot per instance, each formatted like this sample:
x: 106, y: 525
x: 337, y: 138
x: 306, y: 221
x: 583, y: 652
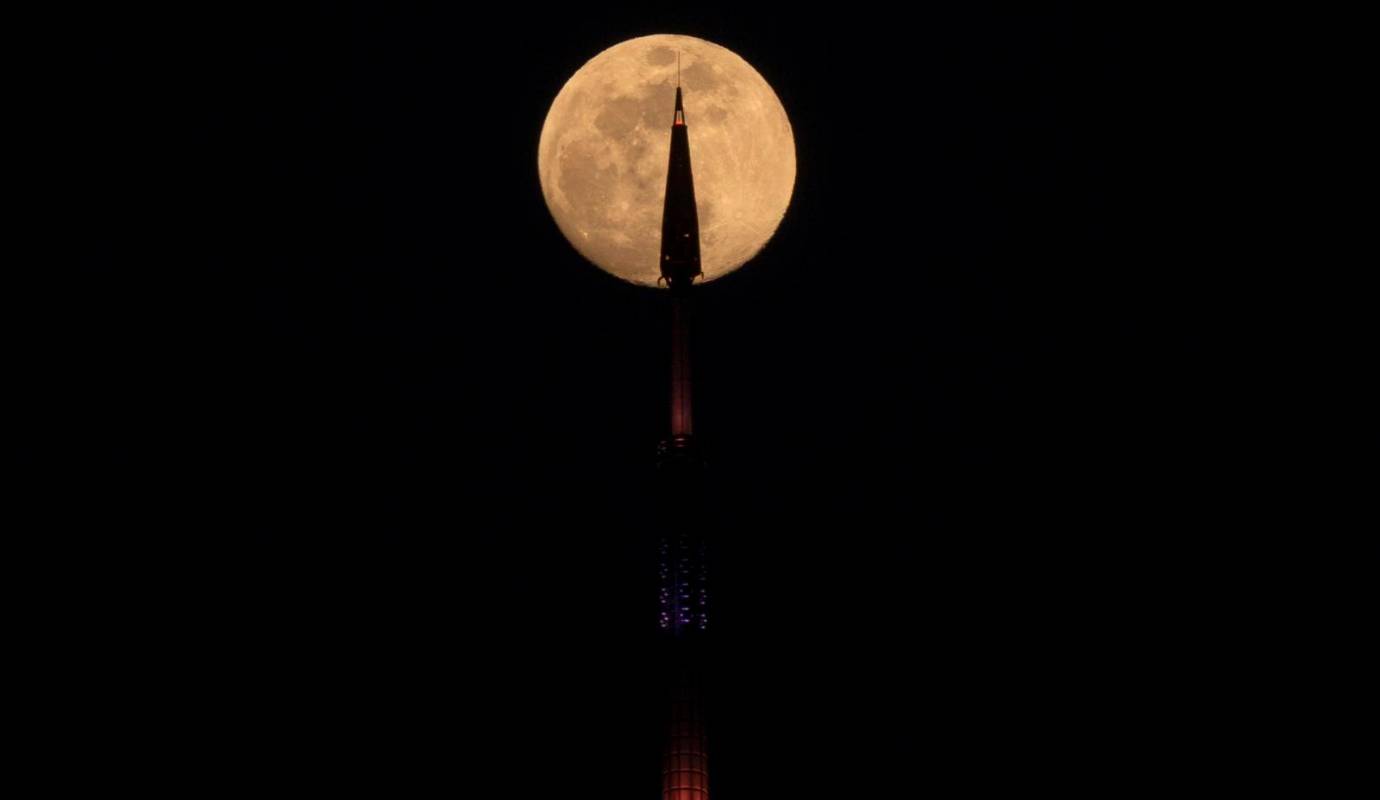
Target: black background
x: 372, y: 442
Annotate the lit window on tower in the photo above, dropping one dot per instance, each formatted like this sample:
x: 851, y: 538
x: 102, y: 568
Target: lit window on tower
x: 683, y: 597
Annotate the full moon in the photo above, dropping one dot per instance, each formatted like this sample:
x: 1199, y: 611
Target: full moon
x: 606, y: 140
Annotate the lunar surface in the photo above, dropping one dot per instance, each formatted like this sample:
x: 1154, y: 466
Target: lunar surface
x: 607, y: 138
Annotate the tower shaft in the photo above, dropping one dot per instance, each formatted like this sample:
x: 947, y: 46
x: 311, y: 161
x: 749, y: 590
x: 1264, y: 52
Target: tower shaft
x: 685, y: 771
x: 680, y: 264
x: 682, y: 418
x: 684, y: 594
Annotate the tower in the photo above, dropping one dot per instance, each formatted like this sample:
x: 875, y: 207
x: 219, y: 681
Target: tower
x: 680, y: 265
x: 683, y: 592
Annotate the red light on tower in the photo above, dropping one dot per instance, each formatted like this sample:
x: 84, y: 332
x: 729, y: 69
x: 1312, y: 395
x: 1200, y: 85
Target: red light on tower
x: 685, y: 771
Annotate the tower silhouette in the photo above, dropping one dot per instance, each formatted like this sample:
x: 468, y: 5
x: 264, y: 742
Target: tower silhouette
x: 683, y: 599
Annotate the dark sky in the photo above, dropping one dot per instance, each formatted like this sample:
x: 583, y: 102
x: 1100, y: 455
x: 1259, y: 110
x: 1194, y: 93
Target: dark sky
x: 378, y: 441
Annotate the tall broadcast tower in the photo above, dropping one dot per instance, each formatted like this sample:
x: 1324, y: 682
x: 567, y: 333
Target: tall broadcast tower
x: 683, y: 592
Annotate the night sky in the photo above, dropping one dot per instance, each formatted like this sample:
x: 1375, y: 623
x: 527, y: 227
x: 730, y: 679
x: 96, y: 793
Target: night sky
x: 377, y: 443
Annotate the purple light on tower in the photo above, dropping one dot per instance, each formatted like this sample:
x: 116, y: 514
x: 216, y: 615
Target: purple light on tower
x: 684, y: 595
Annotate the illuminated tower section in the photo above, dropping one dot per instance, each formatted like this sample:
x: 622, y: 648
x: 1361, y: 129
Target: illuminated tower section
x: 684, y: 771
x: 684, y: 596
x: 683, y: 601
